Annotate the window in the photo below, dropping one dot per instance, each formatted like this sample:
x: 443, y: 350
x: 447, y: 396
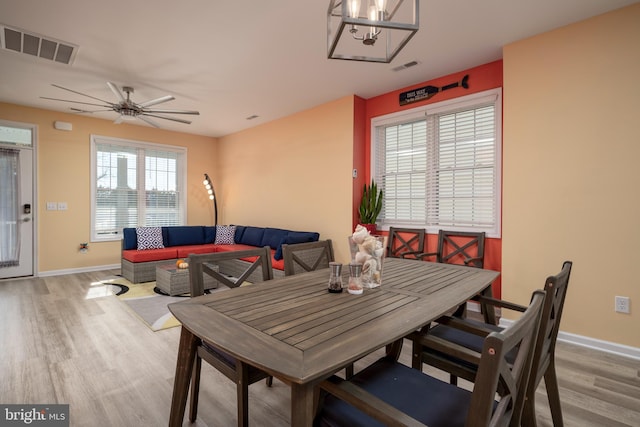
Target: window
x: 135, y: 184
x: 439, y: 165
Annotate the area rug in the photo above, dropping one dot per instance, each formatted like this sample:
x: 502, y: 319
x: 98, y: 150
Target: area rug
x: 144, y: 299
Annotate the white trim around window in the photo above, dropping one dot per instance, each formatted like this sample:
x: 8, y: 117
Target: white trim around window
x: 439, y: 165
x: 135, y: 184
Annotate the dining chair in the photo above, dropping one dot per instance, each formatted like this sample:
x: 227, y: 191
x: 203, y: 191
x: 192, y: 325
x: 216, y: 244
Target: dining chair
x: 243, y: 375
x: 310, y: 256
x: 405, y: 242
x: 459, y: 247
x: 392, y: 394
x: 468, y: 333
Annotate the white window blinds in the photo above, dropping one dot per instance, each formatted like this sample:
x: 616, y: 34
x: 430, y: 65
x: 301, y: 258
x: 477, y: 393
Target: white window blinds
x: 439, y: 168
x: 135, y: 185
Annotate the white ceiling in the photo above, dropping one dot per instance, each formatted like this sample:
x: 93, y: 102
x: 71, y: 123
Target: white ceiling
x: 233, y: 59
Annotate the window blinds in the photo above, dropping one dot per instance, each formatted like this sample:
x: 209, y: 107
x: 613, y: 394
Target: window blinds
x: 439, y: 169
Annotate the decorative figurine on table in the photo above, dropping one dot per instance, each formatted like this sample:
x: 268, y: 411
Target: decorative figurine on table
x: 368, y: 250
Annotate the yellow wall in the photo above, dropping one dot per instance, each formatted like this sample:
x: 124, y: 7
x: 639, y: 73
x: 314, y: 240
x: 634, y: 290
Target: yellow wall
x: 571, y: 174
x: 64, y: 176
x: 292, y: 173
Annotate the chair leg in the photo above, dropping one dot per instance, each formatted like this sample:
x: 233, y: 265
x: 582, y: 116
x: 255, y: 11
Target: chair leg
x: 242, y: 390
x: 195, y: 389
x: 269, y: 381
x: 553, y: 394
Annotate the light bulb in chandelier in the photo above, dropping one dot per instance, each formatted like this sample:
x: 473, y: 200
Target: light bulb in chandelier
x: 375, y: 12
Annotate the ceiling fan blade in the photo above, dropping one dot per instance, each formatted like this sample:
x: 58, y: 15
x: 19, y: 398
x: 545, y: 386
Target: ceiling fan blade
x: 78, y: 110
x: 79, y: 102
x: 166, y: 118
x: 148, y: 121
x: 197, y: 113
x: 116, y: 91
x: 156, y: 101
x: 80, y: 93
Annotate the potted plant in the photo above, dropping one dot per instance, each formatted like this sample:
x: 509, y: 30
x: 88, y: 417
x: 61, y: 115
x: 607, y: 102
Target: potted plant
x: 370, y: 206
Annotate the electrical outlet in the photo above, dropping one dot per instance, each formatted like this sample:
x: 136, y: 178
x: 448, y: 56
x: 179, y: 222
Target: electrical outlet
x: 622, y: 304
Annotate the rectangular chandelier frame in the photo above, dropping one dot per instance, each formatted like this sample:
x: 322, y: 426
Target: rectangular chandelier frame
x: 338, y: 12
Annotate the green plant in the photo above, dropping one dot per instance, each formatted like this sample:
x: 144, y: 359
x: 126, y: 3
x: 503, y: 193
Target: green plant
x: 371, y: 204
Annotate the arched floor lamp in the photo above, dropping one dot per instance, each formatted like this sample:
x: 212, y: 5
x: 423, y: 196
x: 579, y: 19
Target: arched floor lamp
x: 212, y: 196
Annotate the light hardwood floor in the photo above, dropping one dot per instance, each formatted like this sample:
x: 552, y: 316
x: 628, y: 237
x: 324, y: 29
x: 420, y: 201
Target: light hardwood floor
x: 58, y: 346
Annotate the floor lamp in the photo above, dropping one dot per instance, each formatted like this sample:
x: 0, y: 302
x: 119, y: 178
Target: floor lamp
x: 212, y: 196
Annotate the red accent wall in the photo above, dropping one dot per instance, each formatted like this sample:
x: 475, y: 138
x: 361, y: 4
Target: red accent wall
x: 481, y: 78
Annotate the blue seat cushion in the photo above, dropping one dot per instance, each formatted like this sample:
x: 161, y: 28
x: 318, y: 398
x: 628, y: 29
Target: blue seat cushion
x: 273, y: 236
x: 425, y: 398
x: 252, y: 236
x: 294, y: 237
x: 129, y: 239
x: 185, y: 235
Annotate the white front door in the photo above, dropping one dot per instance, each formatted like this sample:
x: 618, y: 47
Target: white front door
x: 17, y: 217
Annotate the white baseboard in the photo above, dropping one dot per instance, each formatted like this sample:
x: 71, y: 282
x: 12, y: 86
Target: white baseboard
x: 596, y: 344
x: 77, y: 270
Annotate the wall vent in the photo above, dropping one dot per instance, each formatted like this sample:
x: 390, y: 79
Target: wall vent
x: 29, y: 43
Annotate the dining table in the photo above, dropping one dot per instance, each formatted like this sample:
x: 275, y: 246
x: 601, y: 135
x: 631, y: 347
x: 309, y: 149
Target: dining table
x: 298, y: 332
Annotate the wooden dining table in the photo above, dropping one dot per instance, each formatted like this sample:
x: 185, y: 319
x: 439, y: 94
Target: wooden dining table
x: 298, y: 332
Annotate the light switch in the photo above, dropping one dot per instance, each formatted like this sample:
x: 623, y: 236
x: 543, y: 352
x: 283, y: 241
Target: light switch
x: 62, y: 206
x: 52, y: 206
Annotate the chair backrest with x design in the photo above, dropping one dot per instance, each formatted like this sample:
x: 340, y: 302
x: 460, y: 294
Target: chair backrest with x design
x: 310, y: 256
x: 405, y: 242
x: 459, y: 247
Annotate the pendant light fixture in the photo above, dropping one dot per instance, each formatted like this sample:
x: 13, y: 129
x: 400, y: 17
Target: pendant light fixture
x: 370, y: 30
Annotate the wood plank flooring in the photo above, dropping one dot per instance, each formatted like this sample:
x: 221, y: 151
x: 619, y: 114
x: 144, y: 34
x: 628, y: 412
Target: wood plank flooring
x: 59, y: 346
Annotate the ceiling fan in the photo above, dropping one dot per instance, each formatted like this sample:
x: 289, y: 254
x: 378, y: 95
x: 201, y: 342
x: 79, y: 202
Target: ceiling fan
x: 126, y: 108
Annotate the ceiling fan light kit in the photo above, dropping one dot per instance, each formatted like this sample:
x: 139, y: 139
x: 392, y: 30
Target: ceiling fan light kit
x: 373, y: 33
x: 126, y: 108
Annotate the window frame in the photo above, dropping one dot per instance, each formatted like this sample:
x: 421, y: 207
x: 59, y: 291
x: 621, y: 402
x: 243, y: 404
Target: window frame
x: 448, y: 106
x: 181, y: 174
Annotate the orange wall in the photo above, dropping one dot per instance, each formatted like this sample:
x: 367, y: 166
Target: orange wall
x: 63, y: 175
x: 571, y: 175
x: 293, y: 173
x: 481, y: 78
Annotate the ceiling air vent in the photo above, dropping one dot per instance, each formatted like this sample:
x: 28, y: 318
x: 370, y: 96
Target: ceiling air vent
x: 405, y: 66
x: 17, y: 40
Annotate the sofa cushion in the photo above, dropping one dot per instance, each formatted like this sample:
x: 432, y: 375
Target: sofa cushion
x: 129, y: 239
x: 295, y: 237
x: 239, y: 232
x: 149, y: 238
x: 185, y: 251
x: 225, y: 234
x: 278, y: 265
x: 185, y: 235
x: 273, y: 236
x: 252, y: 236
x: 231, y: 248
x: 134, y: 255
x: 209, y: 234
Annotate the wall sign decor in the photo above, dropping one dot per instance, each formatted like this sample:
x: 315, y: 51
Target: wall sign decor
x: 427, y: 92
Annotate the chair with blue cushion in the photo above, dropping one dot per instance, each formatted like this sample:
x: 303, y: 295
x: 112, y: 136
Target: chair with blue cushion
x: 427, y: 348
x: 389, y: 393
x: 242, y: 374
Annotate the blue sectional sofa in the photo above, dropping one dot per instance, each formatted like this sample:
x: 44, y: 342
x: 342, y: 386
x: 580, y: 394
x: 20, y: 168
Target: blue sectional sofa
x: 147, y: 247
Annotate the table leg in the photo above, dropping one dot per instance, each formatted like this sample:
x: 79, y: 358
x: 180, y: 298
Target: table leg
x: 302, y: 404
x: 184, y: 367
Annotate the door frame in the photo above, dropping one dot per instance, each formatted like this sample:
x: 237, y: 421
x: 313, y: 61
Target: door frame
x: 34, y: 179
